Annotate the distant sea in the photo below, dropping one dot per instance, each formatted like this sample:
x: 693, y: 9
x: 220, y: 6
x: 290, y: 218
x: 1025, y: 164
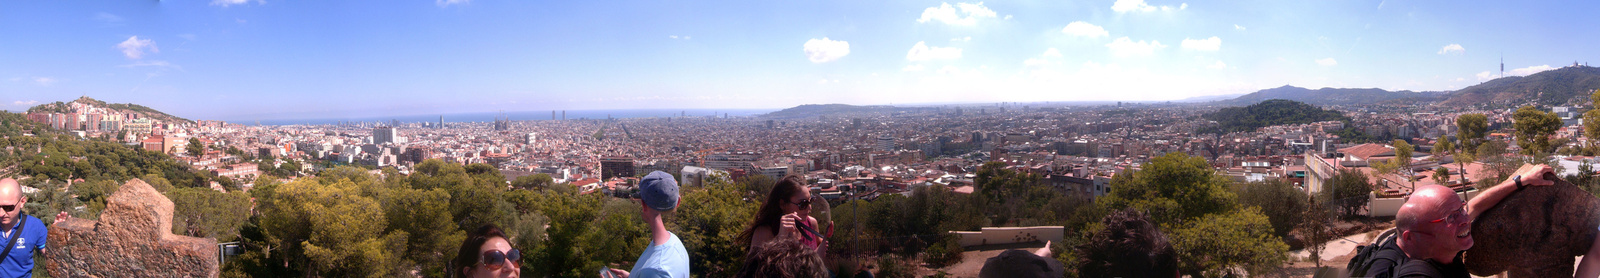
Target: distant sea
x: 519, y: 116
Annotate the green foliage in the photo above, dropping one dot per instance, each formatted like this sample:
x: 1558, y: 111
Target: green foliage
x: 1270, y: 113
x: 535, y: 181
x: 1473, y: 127
x: 1347, y: 192
x: 892, y: 266
x: 709, y: 220
x: 202, y: 212
x: 1210, y: 232
x: 760, y: 184
x: 1279, y: 200
x: 1172, y: 188
x: 946, y: 252
x: 1534, y: 128
x: 63, y: 158
x: 195, y: 149
x: 1218, y: 242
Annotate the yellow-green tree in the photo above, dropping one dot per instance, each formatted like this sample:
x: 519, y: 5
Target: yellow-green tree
x: 1534, y: 128
x: 1209, y: 230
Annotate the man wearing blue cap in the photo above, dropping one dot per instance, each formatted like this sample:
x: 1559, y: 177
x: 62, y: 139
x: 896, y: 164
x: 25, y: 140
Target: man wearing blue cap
x: 666, y: 256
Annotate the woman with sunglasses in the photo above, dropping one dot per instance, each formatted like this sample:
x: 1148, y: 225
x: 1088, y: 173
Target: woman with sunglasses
x: 487, y: 253
x: 786, y: 213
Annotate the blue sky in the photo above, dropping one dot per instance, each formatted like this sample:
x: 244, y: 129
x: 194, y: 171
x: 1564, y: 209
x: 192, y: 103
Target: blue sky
x: 233, y: 59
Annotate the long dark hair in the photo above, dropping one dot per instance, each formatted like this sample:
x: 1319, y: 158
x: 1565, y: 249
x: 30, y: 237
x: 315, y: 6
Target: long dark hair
x: 772, y: 210
x: 472, y: 248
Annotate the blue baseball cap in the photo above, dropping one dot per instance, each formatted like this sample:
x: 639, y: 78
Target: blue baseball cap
x: 659, y: 191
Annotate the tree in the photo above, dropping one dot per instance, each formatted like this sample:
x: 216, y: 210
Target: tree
x: 760, y: 184
x: 1441, y: 175
x: 1209, y: 231
x: 1215, y: 244
x: 1473, y: 127
x: 1172, y: 188
x: 535, y: 181
x: 1279, y: 200
x: 195, y: 148
x: 1402, y: 160
x: 1442, y: 147
x: 202, y: 212
x: 1591, y: 130
x: 1315, y: 229
x: 1348, y: 193
x: 1533, y: 129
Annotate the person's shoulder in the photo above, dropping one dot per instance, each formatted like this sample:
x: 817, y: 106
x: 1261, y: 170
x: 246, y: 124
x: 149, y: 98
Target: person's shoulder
x: 1417, y: 268
x: 32, y: 221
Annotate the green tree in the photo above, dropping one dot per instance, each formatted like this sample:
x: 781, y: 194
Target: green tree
x: 1278, y: 200
x: 195, y: 148
x: 1441, y: 175
x: 1172, y: 188
x: 424, y: 217
x: 202, y: 212
x: 1533, y: 129
x: 1217, y: 243
x: 709, y: 221
x: 760, y: 184
x: 1347, y: 192
x: 1209, y: 231
x: 1473, y: 127
x: 1402, y: 160
x: 535, y: 181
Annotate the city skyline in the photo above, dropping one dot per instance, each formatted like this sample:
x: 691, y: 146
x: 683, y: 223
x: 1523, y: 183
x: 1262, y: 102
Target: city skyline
x: 242, y: 60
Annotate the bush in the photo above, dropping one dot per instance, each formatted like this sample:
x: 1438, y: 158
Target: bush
x: 891, y: 266
x: 944, y: 253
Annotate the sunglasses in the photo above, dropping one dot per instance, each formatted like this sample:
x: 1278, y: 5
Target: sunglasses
x: 803, y: 204
x: 8, y: 208
x: 494, y: 260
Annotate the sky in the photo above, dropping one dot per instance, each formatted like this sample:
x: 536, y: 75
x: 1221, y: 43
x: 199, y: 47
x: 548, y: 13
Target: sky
x: 274, y: 59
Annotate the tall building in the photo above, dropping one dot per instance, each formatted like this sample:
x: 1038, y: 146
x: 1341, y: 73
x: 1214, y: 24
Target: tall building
x: 886, y: 143
x: 732, y: 160
x: 531, y: 137
x: 611, y: 167
x: 383, y: 135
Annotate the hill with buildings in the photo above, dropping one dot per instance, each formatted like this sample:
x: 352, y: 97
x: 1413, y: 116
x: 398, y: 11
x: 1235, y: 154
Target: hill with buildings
x: 1269, y: 113
x: 831, y: 110
x: 1331, y: 96
x: 1565, y: 85
x: 120, y: 108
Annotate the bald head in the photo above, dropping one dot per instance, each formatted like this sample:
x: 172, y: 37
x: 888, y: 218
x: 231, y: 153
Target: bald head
x: 11, y: 201
x: 1428, y: 202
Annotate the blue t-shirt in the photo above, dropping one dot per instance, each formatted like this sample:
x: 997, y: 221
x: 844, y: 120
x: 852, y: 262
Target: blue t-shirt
x: 20, y: 262
x: 668, y: 259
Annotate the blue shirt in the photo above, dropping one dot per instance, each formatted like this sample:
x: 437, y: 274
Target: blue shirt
x: 20, y: 262
x: 668, y: 259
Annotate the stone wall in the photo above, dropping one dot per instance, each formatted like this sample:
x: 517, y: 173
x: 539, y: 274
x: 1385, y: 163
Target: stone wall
x: 132, y: 239
x: 1535, y: 232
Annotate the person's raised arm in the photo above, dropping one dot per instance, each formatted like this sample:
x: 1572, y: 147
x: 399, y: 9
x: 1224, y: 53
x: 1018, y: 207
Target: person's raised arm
x: 1590, y: 266
x: 1532, y: 175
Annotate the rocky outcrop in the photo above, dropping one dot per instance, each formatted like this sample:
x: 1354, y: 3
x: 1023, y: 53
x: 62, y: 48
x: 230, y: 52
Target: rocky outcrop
x: 1535, y: 232
x: 132, y: 239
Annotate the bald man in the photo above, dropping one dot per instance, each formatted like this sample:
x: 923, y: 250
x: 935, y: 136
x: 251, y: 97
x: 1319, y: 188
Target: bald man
x: 1436, y: 225
x: 23, y: 234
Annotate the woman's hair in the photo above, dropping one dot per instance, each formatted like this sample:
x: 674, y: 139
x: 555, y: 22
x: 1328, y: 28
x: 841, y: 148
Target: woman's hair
x: 472, y: 249
x: 784, y: 258
x: 772, y: 210
x: 1129, y: 246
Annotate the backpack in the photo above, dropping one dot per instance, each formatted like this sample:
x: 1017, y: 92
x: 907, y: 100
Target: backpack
x: 1369, y: 255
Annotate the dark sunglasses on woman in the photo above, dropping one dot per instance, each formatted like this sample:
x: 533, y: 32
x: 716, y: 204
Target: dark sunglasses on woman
x: 494, y: 260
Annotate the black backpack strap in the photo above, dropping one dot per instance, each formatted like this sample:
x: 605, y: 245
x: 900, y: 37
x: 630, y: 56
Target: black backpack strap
x: 1417, y: 268
x: 16, y: 234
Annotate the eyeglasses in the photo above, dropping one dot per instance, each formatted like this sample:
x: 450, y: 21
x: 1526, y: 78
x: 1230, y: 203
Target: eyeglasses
x: 1454, y: 217
x: 495, y: 260
x: 8, y: 208
x: 803, y: 204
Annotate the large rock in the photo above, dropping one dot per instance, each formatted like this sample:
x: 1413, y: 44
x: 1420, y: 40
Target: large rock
x: 1535, y: 232
x: 132, y: 239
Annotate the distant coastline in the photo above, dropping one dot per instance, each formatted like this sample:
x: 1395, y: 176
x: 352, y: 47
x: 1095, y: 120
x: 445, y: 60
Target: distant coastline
x: 515, y: 116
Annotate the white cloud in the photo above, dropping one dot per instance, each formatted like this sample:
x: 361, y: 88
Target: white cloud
x: 25, y: 103
x: 912, y: 68
x: 921, y: 52
x: 676, y: 37
x: 1209, y: 44
x: 1084, y: 29
x: 1127, y: 47
x: 135, y: 48
x: 962, y: 39
x: 151, y: 63
x: 949, y: 70
x: 1327, y: 61
x: 44, y: 81
x: 1052, y: 52
x: 1237, y: 27
x: 1123, y: 6
x: 1485, y: 75
x: 951, y: 15
x: 1218, y: 65
x: 1529, y: 70
x: 443, y: 3
x: 226, y: 3
x: 825, y: 50
x: 1452, y: 48
x: 673, y: 36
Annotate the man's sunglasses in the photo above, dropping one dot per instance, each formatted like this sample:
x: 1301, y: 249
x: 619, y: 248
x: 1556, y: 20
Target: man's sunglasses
x: 8, y: 208
x: 494, y: 260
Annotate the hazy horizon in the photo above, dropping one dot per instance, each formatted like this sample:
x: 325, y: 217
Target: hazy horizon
x: 237, y: 59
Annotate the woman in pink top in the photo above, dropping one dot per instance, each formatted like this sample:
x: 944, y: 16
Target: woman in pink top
x: 786, y: 213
